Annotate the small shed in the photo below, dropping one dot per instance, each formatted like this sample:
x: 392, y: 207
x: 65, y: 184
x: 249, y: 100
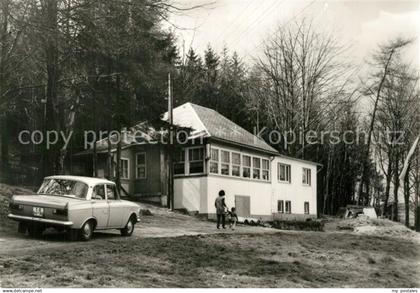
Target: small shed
x: 353, y: 211
x: 370, y: 212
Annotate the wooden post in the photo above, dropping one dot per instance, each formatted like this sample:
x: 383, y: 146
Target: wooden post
x: 95, y: 153
x: 170, y: 147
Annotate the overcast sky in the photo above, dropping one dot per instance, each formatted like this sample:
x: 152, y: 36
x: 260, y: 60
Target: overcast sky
x: 244, y: 24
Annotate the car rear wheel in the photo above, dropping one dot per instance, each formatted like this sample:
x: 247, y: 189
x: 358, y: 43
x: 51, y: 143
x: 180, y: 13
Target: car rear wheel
x: 35, y: 230
x: 86, y: 232
x: 22, y: 227
x: 129, y: 228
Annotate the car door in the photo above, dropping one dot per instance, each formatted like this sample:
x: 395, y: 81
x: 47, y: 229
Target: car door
x: 100, y: 206
x: 116, y: 207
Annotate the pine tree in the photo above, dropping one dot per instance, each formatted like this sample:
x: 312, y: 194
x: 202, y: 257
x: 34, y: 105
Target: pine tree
x: 210, y: 89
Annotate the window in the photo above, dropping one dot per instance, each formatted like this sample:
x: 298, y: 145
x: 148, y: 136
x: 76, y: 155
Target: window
x: 306, y: 176
x: 236, y: 164
x: 99, y: 192
x: 64, y: 187
x: 283, y: 173
x: 196, y: 160
x: 224, y: 166
x: 265, y: 169
x: 306, y: 207
x: 256, y: 170
x: 214, y: 161
x: 141, y: 165
x: 288, y: 206
x: 111, y: 192
x: 280, y: 206
x: 246, y: 169
x: 179, y: 162
x: 124, y: 168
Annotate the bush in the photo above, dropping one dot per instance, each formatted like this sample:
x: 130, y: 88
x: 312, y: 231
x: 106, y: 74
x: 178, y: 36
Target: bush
x: 298, y: 225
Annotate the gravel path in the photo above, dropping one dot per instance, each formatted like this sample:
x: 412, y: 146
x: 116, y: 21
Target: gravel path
x: 162, y: 223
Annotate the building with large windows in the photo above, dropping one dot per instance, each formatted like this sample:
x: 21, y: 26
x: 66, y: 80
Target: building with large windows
x: 218, y: 154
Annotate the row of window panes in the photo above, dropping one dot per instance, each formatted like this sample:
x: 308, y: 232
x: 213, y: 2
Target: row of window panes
x: 195, y: 161
x: 284, y: 174
x: 230, y: 164
x: 280, y: 207
x: 196, y: 165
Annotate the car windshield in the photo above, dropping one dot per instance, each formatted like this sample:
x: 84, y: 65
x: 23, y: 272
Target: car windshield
x: 63, y: 187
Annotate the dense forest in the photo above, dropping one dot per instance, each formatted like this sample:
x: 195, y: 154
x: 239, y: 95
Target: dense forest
x: 74, y: 65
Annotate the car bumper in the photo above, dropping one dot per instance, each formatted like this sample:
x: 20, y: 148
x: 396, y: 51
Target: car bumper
x: 39, y: 220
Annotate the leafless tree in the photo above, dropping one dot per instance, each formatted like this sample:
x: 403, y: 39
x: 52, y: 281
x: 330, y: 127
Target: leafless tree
x: 305, y: 84
x: 397, y: 127
x: 12, y: 16
x: 384, y: 61
x: 299, y: 71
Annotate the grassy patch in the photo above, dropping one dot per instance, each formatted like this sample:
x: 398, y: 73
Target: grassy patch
x: 308, y: 259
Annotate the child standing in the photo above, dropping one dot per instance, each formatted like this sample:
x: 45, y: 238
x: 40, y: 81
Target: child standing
x: 233, y: 218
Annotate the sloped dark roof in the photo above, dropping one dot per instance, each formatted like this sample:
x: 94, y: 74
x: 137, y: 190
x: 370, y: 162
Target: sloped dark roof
x: 213, y: 124
x: 201, y: 122
x: 222, y: 128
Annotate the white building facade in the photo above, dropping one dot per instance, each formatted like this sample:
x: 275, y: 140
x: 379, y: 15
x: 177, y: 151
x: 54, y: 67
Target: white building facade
x: 257, y: 180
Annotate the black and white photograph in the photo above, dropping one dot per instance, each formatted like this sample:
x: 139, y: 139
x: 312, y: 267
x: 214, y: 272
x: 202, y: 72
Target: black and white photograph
x: 269, y: 144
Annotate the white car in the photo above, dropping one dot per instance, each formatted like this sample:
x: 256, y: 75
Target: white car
x: 77, y: 204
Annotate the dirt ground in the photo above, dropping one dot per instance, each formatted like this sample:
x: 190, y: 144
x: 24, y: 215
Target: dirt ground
x: 174, y: 250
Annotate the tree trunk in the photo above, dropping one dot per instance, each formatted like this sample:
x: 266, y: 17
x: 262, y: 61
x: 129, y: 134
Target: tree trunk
x: 4, y: 131
x: 327, y: 180
x: 372, y: 122
x: 388, y: 185
x: 407, y: 198
x: 396, y: 184
x: 405, y: 175
x: 367, y: 196
x: 69, y: 131
x: 51, y: 51
x: 416, y: 190
x: 4, y: 154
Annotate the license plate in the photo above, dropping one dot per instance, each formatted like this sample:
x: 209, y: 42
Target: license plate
x: 38, y: 212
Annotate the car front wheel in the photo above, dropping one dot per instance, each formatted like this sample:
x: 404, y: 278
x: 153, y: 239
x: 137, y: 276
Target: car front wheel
x: 87, y: 231
x: 129, y: 228
x: 73, y: 234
